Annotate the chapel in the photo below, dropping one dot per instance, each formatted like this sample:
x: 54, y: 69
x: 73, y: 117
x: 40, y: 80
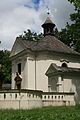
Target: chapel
x: 47, y: 64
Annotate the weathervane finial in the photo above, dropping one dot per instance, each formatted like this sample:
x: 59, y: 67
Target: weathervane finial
x: 48, y: 12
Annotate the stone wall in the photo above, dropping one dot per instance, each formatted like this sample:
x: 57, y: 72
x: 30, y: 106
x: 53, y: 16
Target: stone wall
x: 28, y: 99
x: 24, y: 99
x: 58, y: 99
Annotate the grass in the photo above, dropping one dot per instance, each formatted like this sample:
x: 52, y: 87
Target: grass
x: 47, y: 113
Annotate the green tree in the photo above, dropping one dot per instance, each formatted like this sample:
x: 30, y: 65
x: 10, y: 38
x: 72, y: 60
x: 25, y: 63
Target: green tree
x: 30, y: 36
x: 71, y: 34
x: 5, y: 67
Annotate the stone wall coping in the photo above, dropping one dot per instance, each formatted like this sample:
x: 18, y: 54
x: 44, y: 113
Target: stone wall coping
x: 21, y: 91
x: 58, y: 93
x: 38, y: 92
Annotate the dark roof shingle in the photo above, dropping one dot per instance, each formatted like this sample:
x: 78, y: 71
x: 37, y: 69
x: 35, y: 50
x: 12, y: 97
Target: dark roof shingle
x: 48, y: 20
x: 58, y: 69
x: 48, y: 43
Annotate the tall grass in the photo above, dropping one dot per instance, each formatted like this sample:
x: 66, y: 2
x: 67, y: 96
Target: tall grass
x: 47, y: 113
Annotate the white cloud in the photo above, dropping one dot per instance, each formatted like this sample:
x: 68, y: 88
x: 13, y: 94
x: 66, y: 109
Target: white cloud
x: 17, y: 16
x: 64, y: 9
x: 60, y: 11
x: 15, y: 20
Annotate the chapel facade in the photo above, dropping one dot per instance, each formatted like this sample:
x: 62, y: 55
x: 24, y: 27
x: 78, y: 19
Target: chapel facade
x: 47, y: 65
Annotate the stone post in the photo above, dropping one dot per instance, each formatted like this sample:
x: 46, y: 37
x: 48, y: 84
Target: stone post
x: 59, y: 84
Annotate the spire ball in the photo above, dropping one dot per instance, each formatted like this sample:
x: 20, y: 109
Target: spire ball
x: 48, y: 12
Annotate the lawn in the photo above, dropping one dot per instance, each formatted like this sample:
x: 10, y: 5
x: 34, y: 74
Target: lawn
x: 47, y: 113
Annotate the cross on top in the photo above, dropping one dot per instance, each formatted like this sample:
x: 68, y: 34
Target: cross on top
x: 48, y: 12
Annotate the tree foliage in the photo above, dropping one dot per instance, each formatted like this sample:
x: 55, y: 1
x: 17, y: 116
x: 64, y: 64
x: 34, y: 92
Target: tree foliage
x: 71, y: 34
x: 5, y: 67
x: 30, y: 36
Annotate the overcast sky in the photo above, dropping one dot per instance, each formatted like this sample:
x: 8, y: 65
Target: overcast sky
x: 17, y: 16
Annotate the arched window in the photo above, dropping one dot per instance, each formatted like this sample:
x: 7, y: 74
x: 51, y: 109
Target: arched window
x: 64, y: 65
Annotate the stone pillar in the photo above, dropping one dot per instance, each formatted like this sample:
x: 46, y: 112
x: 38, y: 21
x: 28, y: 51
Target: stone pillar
x: 13, y: 74
x: 59, y: 84
x: 25, y: 78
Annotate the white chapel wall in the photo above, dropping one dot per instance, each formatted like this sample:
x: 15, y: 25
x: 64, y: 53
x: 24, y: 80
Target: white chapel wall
x: 34, y: 76
x: 31, y: 72
x: 71, y: 83
x: 43, y: 63
x: 24, y: 67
